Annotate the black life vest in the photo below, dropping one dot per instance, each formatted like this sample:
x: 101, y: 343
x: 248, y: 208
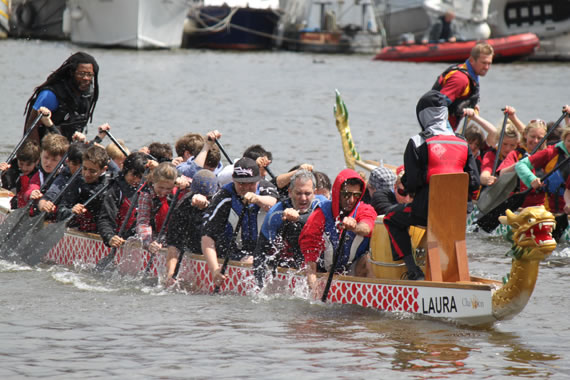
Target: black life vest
x: 72, y: 114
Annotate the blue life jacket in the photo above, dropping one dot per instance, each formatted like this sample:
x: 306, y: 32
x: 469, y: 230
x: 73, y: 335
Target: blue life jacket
x: 248, y: 232
x: 354, y: 245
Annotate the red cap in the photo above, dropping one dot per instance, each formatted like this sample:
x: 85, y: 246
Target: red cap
x: 399, y: 169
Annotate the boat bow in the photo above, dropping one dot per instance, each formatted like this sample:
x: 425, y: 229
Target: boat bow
x: 532, y: 242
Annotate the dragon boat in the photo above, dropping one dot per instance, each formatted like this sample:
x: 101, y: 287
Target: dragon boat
x: 449, y: 292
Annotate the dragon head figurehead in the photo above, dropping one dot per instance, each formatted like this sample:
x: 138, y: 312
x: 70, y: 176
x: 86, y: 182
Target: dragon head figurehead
x: 531, y: 233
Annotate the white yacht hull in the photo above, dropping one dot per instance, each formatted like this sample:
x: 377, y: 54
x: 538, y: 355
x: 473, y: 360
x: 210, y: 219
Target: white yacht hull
x: 135, y: 24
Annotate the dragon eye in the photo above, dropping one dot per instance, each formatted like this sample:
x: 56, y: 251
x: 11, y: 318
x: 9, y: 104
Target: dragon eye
x: 531, y: 220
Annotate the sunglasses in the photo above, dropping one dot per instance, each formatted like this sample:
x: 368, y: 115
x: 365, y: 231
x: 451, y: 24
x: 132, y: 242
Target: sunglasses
x: 402, y: 192
x: 349, y: 194
x: 538, y: 121
x: 83, y: 74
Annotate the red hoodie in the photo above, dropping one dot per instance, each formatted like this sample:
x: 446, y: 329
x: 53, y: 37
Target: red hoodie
x: 311, y: 240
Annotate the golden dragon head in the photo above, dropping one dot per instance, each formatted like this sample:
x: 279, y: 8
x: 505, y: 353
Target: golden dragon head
x: 531, y: 233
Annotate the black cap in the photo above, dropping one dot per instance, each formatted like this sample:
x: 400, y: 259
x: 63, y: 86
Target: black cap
x: 246, y: 171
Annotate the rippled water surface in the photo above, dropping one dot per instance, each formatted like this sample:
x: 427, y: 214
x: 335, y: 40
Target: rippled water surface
x: 59, y: 323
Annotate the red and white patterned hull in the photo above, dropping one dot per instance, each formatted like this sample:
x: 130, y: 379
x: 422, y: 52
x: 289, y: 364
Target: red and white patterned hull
x: 466, y: 303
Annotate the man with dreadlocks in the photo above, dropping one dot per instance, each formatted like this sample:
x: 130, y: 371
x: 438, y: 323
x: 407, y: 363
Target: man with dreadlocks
x: 70, y: 93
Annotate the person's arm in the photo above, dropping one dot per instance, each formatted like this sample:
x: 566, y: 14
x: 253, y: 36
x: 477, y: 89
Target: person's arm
x: 492, y: 134
x: 209, y: 251
x: 524, y: 171
x: 486, y: 178
x: 144, y: 228
x: 106, y: 218
x: 359, y: 228
x: 456, y: 86
x: 311, y: 273
x: 210, y: 141
x: 283, y: 180
x: 364, y: 219
x: 514, y: 119
x: 46, y: 98
x: 263, y: 201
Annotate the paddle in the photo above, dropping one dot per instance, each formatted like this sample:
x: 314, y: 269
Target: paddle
x: 40, y: 242
x: 23, y: 140
x: 178, y: 262
x: 28, y: 227
x: 114, y: 140
x: 226, y: 155
x: 494, y: 195
x: 336, y: 257
x: 105, y: 261
x: 490, y: 221
x: 500, y: 145
x: 234, y: 235
x: 160, y: 238
x: 465, y: 121
x: 17, y: 217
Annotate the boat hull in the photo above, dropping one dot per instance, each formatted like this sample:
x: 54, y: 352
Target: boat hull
x: 135, y: 24
x: 243, y: 28
x: 37, y: 19
x: 506, y: 49
x: 465, y: 303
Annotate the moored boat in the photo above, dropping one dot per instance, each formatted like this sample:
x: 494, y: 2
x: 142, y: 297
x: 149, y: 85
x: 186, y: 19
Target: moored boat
x: 135, y: 24
x: 409, y: 20
x: 224, y: 27
x: 508, y: 48
x: 329, y: 27
x: 37, y: 19
x: 548, y: 19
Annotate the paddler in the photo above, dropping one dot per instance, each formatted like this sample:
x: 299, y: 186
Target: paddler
x: 320, y: 237
x: 70, y: 93
x: 278, y: 241
x: 230, y: 225
x: 436, y: 150
x: 460, y: 83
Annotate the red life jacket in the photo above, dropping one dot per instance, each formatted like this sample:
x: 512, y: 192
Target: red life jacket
x: 24, y: 184
x: 123, y: 209
x: 446, y: 154
x: 86, y: 222
x: 160, y: 215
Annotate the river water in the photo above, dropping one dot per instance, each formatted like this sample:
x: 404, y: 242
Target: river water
x: 57, y: 322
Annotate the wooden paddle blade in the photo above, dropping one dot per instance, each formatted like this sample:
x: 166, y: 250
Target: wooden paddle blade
x: 41, y: 242
x: 493, y: 196
x: 490, y: 221
x: 132, y: 258
x: 19, y: 232
x: 15, y: 218
x: 105, y: 261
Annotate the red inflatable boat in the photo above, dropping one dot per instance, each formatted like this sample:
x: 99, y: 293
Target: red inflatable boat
x: 508, y: 48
